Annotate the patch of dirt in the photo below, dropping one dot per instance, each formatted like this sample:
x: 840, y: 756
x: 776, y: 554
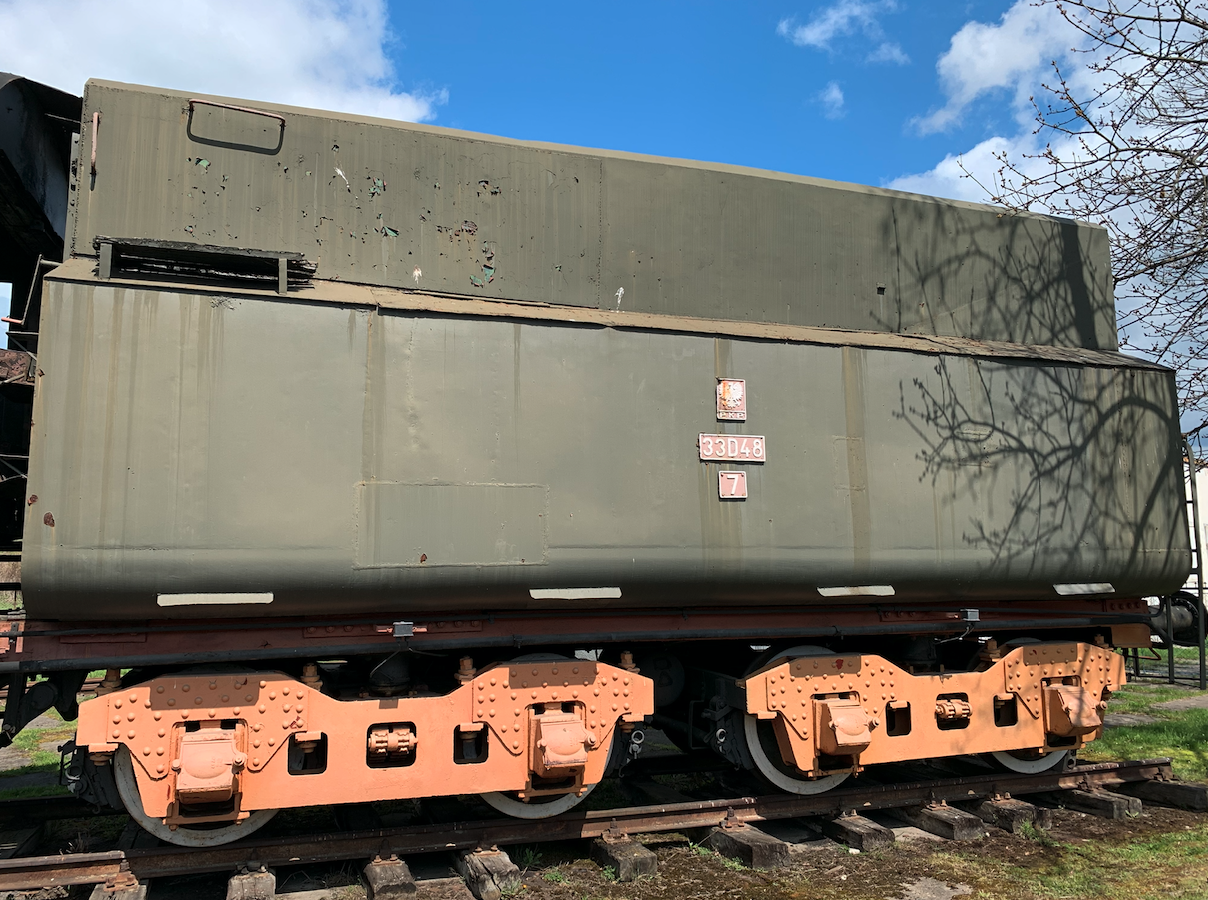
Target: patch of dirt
x: 930, y: 889
x: 1184, y: 703
x: 910, y: 870
x: 29, y: 779
x: 14, y: 757
x: 1127, y: 720
x: 1076, y: 827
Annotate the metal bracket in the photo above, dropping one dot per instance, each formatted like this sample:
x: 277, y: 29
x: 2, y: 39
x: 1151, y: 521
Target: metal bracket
x: 104, y: 269
x: 614, y: 833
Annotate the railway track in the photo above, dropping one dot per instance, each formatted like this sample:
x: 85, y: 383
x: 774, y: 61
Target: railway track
x: 116, y: 868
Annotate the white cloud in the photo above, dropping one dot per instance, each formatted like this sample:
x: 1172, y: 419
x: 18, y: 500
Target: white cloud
x: 975, y: 174
x: 847, y: 17
x: 329, y: 54
x: 6, y: 297
x: 950, y: 178
x: 888, y: 52
x: 1011, y: 55
x: 1015, y: 56
x: 831, y: 98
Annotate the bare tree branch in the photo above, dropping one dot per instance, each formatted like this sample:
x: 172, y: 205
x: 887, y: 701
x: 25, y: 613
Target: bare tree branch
x: 1131, y: 153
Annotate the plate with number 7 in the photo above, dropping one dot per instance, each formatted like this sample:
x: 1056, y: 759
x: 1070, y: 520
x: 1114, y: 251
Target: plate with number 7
x: 732, y: 485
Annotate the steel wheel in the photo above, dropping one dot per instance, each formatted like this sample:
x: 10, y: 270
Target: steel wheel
x: 1029, y: 762
x: 762, y: 745
x: 509, y: 804
x: 543, y: 807
x: 784, y: 777
x: 206, y: 835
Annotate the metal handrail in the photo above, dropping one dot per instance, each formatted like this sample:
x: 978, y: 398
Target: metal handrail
x: 246, y: 109
x: 1199, y: 564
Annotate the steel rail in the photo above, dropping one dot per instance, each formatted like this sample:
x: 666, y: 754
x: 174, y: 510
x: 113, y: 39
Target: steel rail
x: 144, y: 864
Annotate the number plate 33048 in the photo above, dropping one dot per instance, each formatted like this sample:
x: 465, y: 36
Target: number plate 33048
x: 733, y: 448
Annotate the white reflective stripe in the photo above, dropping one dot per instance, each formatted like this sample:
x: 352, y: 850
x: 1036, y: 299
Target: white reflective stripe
x: 609, y: 593
x: 864, y: 590
x: 1092, y: 587
x: 211, y: 599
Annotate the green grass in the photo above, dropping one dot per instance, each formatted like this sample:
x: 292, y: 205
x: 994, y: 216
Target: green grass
x: 1183, y: 736
x: 1141, y: 697
x: 1187, y: 653
x: 37, y: 790
x: 527, y: 857
x: 30, y: 740
x: 1184, y: 739
x: 41, y: 762
x: 1172, y: 866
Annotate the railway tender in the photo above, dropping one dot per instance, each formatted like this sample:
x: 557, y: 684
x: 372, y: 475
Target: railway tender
x: 375, y: 460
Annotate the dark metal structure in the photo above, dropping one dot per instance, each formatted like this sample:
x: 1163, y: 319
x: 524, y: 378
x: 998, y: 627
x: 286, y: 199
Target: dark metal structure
x: 38, y: 125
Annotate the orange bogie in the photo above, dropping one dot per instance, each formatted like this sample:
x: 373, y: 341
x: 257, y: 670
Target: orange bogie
x: 844, y: 712
x: 215, y: 747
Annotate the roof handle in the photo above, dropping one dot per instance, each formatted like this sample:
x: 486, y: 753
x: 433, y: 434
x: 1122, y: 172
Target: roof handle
x: 96, y: 124
x: 194, y: 101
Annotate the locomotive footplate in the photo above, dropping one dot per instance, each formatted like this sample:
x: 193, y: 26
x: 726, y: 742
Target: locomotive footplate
x: 215, y: 747
x: 846, y: 711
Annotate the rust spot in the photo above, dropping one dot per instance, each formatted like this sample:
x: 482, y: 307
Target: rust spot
x: 15, y: 367
x: 33, y: 498
x: 423, y: 557
x: 48, y: 519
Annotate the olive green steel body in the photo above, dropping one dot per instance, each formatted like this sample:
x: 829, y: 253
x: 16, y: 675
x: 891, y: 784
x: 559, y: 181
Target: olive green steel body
x: 495, y: 383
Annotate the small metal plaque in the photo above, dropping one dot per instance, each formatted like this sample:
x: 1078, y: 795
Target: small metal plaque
x: 732, y: 485
x: 732, y: 399
x: 750, y: 448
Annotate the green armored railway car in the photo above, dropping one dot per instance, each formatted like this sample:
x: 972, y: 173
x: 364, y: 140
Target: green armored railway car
x: 490, y: 380
x: 313, y: 391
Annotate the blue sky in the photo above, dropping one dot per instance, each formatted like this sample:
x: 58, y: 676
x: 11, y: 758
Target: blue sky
x: 711, y: 81
x: 883, y: 92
